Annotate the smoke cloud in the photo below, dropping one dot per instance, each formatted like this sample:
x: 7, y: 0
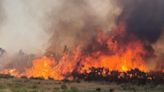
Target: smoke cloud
x: 77, y: 21
x: 35, y: 26
x: 52, y: 26
x: 145, y: 19
x: 30, y: 24
x: 22, y: 31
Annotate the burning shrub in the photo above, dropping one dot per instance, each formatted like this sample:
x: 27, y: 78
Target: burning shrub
x: 134, y: 76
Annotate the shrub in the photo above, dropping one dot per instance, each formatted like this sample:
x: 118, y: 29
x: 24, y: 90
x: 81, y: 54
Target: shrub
x: 63, y: 86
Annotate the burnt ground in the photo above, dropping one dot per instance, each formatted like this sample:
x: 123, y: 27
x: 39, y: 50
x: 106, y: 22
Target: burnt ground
x: 39, y: 85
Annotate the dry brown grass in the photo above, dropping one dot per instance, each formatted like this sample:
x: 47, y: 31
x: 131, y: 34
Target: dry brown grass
x: 35, y: 85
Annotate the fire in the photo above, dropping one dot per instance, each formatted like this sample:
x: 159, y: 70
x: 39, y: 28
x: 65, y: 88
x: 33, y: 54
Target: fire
x: 12, y: 72
x: 47, y: 67
x: 115, y: 50
x: 42, y: 67
x: 121, y: 55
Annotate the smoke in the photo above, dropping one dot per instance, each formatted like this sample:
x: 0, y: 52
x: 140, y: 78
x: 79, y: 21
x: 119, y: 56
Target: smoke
x: 145, y: 19
x: 30, y: 24
x: 54, y: 26
x: 21, y: 29
x: 2, y: 16
x: 76, y: 22
x: 35, y: 26
x: 157, y: 62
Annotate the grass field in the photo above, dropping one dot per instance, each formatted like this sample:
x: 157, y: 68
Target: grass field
x: 35, y: 85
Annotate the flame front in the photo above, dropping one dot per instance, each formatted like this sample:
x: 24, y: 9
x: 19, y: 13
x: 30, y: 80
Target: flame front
x: 42, y: 67
x: 47, y: 67
x: 122, y: 53
x: 121, y: 61
x: 115, y: 50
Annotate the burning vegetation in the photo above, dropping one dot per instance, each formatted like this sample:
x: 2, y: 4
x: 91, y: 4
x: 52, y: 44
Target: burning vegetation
x: 120, y: 53
x: 113, y: 56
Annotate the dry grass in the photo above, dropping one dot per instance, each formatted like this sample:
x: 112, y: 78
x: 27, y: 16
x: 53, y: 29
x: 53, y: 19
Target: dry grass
x: 35, y: 85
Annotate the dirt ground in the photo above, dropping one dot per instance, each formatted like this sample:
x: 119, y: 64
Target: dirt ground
x: 35, y: 85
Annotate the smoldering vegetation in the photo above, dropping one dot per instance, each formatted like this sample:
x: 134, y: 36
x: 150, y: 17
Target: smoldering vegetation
x: 19, y: 61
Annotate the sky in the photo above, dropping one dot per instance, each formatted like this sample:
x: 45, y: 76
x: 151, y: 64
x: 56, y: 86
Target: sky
x: 21, y: 27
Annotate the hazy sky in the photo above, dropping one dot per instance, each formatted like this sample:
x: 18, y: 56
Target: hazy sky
x: 21, y: 27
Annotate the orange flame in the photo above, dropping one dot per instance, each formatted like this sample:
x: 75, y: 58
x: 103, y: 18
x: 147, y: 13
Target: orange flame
x: 124, y: 61
x: 12, y: 72
x: 49, y: 68
x: 42, y: 67
x: 126, y: 55
x: 121, y: 54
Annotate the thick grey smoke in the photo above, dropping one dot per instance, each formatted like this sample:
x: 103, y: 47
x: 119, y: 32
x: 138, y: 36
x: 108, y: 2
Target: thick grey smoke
x: 76, y: 22
x: 67, y: 22
x: 35, y: 26
x: 145, y: 19
x: 39, y: 26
